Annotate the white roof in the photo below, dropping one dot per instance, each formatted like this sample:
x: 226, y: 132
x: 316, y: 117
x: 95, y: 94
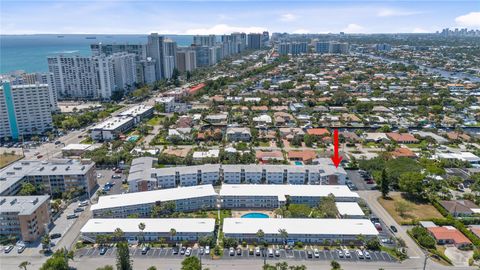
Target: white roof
x: 299, y: 226
x: 165, y: 99
x: 113, y: 123
x: 146, y: 197
x: 349, y: 209
x: 465, y: 156
x: 212, y: 153
x: 136, y: 110
x: 152, y: 225
x: 282, y: 190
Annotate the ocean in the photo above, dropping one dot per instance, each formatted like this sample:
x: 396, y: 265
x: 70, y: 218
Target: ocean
x: 29, y: 52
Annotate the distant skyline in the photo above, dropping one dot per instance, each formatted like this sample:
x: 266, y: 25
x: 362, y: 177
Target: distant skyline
x: 219, y: 17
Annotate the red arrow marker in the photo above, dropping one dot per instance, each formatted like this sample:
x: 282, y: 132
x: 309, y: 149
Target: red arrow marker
x: 336, y: 158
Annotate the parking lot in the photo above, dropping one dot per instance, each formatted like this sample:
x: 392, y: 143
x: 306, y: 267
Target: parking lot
x: 376, y: 256
x: 355, y: 177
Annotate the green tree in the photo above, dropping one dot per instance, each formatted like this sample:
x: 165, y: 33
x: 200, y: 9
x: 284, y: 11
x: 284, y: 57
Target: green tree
x: 124, y: 262
x: 152, y: 268
x: 191, y: 263
x: 284, y: 234
x: 141, y: 227
x: 327, y: 207
x: 384, y: 184
x: 335, y: 265
x: 23, y: 265
x: 402, y: 208
x: 46, y: 242
x: 411, y: 183
x: 58, y: 261
x: 27, y: 189
x: 106, y: 267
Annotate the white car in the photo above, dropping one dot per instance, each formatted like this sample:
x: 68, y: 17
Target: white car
x: 367, y: 255
x: 347, y: 253
x: 188, y: 252
x: 340, y: 253
x: 207, y: 250
x: 359, y: 254
x: 316, y: 253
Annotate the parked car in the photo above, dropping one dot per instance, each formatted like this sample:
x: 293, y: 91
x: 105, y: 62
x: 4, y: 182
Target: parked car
x: 55, y: 235
x: 103, y: 250
x: 316, y: 253
x: 231, y: 251
x: 270, y: 253
x: 250, y: 251
x: 239, y: 251
x: 188, y: 252
x: 71, y: 216
x: 8, y: 249
x: 82, y: 203
x: 340, y: 253
x: 20, y: 249
x: 309, y: 254
x: 367, y: 255
x: 207, y: 250
x: 277, y: 253
x: 145, y: 249
x: 257, y: 251
x: 183, y: 250
x: 201, y: 251
x: 347, y: 253
x: 359, y: 254
x: 175, y: 250
x: 394, y: 229
x: 78, y: 210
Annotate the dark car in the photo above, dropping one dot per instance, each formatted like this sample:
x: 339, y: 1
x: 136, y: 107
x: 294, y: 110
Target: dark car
x: 175, y: 250
x: 55, y: 235
x: 145, y: 249
x: 309, y: 254
x: 71, y: 216
x: 182, y: 250
x: 394, y: 229
x: 103, y: 250
x: 78, y: 210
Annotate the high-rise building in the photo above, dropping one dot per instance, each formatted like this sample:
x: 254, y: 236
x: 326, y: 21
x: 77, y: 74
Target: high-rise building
x: 73, y: 76
x: 254, y: 41
x: 186, y: 59
x: 24, y: 110
x: 155, y: 51
x: 204, y: 40
x: 240, y: 41
x: 322, y: 47
x: 169, y: 57
x: 265, y: 39
x: 106, y: 76
x: 125, y: 70
x: 149, y: 75
x: 203, y: 56
x: 338, y: 47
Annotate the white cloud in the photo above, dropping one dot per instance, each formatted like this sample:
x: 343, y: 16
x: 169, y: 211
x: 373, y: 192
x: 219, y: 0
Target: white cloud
x: 471, y: 19
x: 389, y: 12
x: 354, y: 28
x: 418, y: 30
x: 301, y: 31
x: 288, y: 17
x: 221, y: 29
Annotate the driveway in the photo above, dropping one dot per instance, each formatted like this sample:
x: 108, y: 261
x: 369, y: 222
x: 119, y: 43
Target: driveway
x: 458, y: 257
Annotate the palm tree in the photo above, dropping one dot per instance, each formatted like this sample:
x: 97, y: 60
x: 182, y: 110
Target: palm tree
x: 284, y: 234
x: 46, y: 241
x: 141, y: 226
x: 260, y: 235
x: 282, y: 265
x: 24, y: 265
x: 173, y: 232
x: 118, y: 234
x: 361, y: 239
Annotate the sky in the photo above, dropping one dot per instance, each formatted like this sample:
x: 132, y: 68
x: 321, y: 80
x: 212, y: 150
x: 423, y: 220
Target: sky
x: 221, y: 17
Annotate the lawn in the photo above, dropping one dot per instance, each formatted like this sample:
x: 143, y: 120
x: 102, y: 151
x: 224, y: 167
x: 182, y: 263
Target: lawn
x: 7, y: 158
x: 155, y: 120
x: 415, y: 210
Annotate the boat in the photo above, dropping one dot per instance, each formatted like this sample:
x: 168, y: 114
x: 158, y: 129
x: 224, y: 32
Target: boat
x: 60, y: 36
x: 91, y: 37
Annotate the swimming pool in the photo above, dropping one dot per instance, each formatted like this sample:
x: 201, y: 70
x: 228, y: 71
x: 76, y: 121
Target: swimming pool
x: 298, y: 163
x: 255, y: 215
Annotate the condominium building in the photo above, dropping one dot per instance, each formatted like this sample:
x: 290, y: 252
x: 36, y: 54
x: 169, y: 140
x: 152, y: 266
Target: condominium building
x: 186, y: 59
x: 293, y: 48
x: 186, y: 199
x: 106, y: 76
x: 274, y: 196
x: 24, y: 217
x: 138, y: 113
x: 305, y: 230
x: 254, y: 41
x: 164, y: 52
x: 186, y: 229
x: 204, y: 40
x: 73, y: 76
x: 169, y: 57
x: 24, y: 110
x: 55, y: 176
x: 125, y: 70
x: 331, y: 47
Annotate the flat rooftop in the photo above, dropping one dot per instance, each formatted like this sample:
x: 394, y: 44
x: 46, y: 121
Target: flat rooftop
x: 135, y: 111
x: 281, y: 191
x: 349, y: 209
x: 147, y: 197
x: 294, y: 226
x: 113, y: 123
x: 152, y: 225
x: 24, y: 205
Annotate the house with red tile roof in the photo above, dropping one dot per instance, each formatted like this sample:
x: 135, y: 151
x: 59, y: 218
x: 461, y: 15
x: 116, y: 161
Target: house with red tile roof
x: 318, y: 132
x: 306, y: 156
x: 403, y: 152
x: 449, y: 235
x: 402, y: 137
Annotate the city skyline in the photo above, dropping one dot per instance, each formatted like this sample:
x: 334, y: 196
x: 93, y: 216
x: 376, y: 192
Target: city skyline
x: 221, y: 17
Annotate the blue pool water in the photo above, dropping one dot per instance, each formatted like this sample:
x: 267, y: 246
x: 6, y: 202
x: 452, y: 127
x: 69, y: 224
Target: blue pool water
x: 255, y: 215
x: 298, y: 163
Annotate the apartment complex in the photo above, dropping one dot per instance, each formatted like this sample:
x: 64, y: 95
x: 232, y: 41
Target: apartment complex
x: 111, y: 128
x: 24, y: 217
x: 143, y: 176
x: 331, y: 47
x: 305, y: 230
x: 186, y: 229
x: 186, y: 199
x: 275, y: 196
x: 55, y: 176
x: 25, y: 109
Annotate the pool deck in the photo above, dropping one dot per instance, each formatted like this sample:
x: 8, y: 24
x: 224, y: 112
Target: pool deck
x: 240, y: 213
